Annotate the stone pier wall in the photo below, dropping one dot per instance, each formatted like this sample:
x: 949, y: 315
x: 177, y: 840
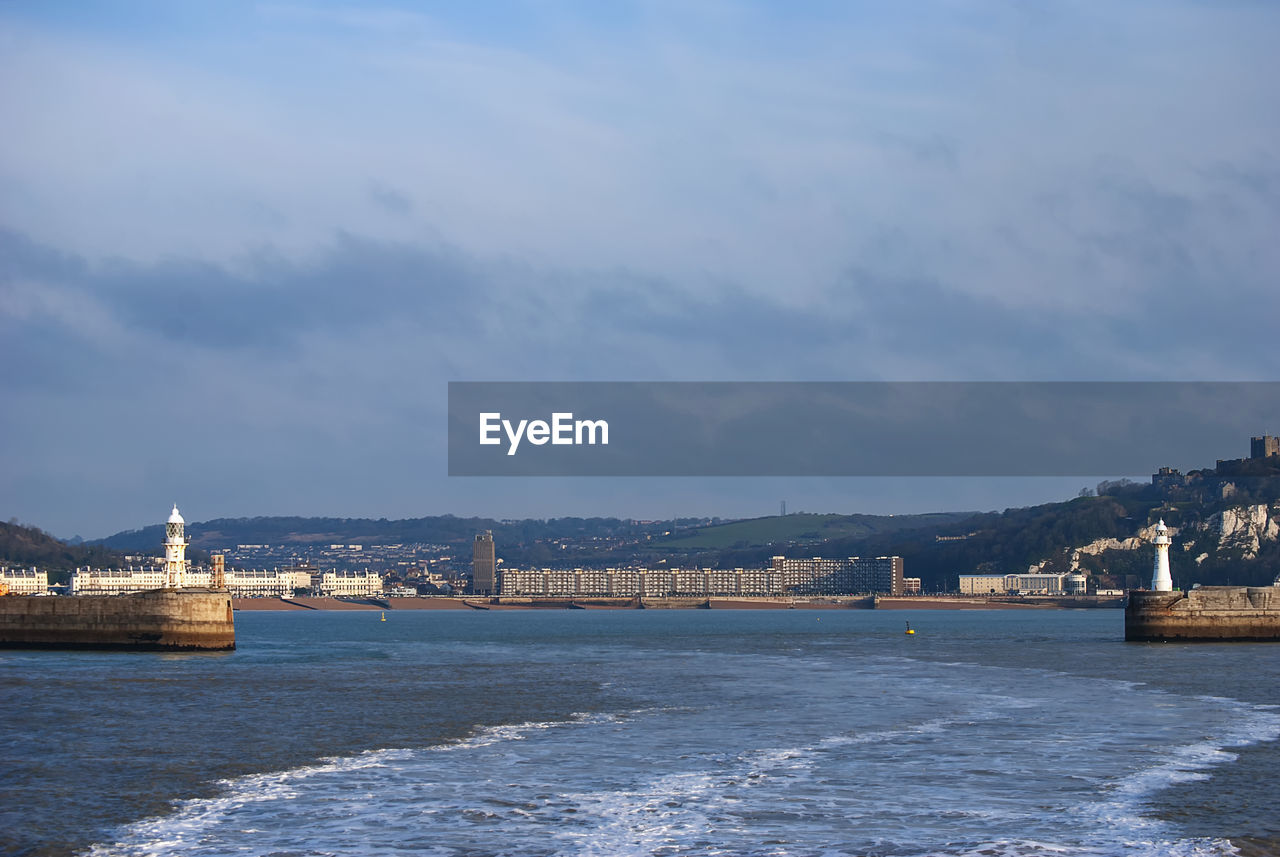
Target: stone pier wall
x: 1210, y: 613
x: 163, y: 619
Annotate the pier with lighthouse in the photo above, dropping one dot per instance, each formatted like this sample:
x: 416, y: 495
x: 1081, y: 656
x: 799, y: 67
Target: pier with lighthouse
x: 1201, y: 614
x: 175, y: 616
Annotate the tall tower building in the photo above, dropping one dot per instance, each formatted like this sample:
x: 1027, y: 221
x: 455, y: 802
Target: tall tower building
x: 484, y: 565
x: 1161, y: 581
x: 1264, y: 447
x: 175, y: 551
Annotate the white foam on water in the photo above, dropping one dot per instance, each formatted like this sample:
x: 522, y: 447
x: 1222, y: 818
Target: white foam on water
x: 184, y: 831
x: 1125, y: 805
x: 1119, y: 822
x: 1136, y: 848
x: 1248, y: 724
x: 347, y: 794
x: 707, y: 812
x: 547, y: 789
x: 723, y: 810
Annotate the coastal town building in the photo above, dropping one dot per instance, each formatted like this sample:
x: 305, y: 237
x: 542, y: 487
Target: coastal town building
x: 116, y: 581
x: 176, y: 573
x: 392, y: 557
x: 851, y: 576
x: 656, y: 582
x: 523, y: 582
x: 264, y: 583
x: 484, y: 565
x: 1028, y: 583
x: 984, y: 584
x: 625, y: 582
x: 241, y: 582
x: 875, y: 576
x: 24, y: 581
x: 350, y: 583
x: 400, y: 591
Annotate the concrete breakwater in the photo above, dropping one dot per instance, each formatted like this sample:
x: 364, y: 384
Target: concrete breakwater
x: 158, y: 620
x: 1208, y: 613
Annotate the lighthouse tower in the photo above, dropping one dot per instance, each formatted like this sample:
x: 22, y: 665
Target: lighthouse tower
x: 175, y: 551
x: 1161, y: 581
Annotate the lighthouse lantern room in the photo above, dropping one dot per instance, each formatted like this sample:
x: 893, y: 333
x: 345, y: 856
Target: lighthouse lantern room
x: 175, y: 551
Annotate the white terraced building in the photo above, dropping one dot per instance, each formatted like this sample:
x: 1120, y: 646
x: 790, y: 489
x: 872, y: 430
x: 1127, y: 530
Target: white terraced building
x: 116, y: 581
x: 350, y: 583
x: 266, y: 582
x: 1031, y: 583
x: 25, y: 581
x: 242, y: 583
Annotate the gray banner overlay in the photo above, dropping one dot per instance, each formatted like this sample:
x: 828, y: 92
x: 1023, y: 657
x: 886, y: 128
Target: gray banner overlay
x: 852, y: 428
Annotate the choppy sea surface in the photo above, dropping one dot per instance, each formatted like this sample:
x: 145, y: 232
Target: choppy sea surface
x: 651, y: 732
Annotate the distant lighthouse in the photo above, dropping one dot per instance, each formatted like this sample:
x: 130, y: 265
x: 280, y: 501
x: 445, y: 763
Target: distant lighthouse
x: 175, y: 551
x: 1161, y: 581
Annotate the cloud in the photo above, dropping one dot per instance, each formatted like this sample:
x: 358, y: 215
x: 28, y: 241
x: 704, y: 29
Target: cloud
x: 329, y: 393
x: 305, y: 219
x: 390, y: 199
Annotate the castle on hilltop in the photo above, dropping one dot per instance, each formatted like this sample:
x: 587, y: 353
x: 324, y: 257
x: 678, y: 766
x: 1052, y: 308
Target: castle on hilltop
x: 1264, y: 458
x: 1264, y: 447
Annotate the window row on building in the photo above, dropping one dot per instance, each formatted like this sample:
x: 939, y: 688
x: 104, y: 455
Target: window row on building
x: 242, y: 582
x: 631, y: 583
x: 116, y: 581
x: 826, y: 576
x: 24, y: 581
x: 784, y: 577
x: 1030, y: 583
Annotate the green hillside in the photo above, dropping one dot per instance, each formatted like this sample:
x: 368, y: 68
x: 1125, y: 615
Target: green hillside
x: 1227, y: 532
x: 31, y: 546
x: 439, y: 529
x: 802, y: 528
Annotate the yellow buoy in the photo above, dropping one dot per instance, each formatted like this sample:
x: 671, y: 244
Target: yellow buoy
x: 909, y: 631
x: 383, y: 618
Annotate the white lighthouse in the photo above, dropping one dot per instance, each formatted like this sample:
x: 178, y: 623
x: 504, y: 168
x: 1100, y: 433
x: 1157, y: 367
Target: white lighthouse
x: 175, y: 551
x: 1161, y: 581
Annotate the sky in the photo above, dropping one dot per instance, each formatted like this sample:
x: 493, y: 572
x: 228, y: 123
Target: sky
x: 244, y: 247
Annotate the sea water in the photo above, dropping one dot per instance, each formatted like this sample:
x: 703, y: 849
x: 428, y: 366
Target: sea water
x: 780, y: 732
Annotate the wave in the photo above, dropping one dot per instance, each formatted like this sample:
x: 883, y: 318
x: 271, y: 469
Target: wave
x: 673, y: 780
